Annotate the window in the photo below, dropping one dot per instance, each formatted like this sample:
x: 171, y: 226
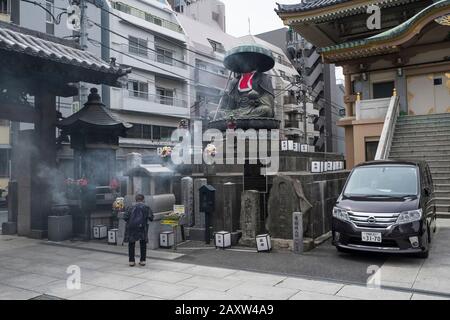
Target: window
x: 383, y: 89
x: 201, y: 66
x: 138, y: 89
x: 438, y: 81
x: 140, y: 131
x: 165, y: 96
x: 5, y: 7
x: 137, y: 46
x: 164, y: 56
x: 217, y: 46
x: 4, y: 162
x: 382, y: 180
x: 371, y: 148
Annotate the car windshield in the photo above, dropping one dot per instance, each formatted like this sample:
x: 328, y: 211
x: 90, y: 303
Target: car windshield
x: 382, y: 181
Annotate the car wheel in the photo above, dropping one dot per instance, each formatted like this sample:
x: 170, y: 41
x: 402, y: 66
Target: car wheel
x: 425, y: 254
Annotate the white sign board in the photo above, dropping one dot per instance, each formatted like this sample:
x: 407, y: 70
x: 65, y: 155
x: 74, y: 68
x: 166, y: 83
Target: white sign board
x: 329, y: 166
x: 284, y: 145
x: 304, y: 148
x: 290, y: 145
x: 178, y: 209
x: 296, y: 147
x: 316, y: 167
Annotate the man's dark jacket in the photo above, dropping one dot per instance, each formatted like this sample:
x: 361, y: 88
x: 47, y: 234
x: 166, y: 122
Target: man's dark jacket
x: 138, y: 234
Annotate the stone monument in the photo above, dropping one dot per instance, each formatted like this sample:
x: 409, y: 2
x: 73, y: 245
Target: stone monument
x: 187, y: 199
x: 250, y: 216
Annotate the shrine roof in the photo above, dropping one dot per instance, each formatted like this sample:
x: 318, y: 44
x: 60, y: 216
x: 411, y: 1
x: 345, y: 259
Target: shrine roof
x: 93, y: 114
x: 380, y: 42
x: 16, y: 39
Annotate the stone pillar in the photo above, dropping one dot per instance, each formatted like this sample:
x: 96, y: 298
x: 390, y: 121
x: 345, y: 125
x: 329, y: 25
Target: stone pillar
x: 348, y: 92
x: 230, y: 210
x: 250, y: 216
x: 199, y: 218
x: 44, y: 163
x: 187, y: 199
x: 297, y: 232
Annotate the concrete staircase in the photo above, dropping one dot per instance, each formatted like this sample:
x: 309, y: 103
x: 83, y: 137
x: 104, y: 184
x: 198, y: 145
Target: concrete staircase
x: 427, y: 138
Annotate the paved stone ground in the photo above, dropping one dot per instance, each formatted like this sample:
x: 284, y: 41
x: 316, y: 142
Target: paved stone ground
x: 33, y: 269
x: 3, y: 216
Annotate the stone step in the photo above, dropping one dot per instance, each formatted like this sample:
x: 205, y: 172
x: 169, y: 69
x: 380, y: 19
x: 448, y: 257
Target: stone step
x: 424, y: 146
x: 419, y: 154
x: 443, y: 201
x: 424, y: 117
x: 441, y: 180
x: 439, y: 164
x: 443, y: 215
x: 424, y: 139
x: 441, y: 187
x: 445, y: 148
x: 441, y: 194
x: 423, y: 121
x: 430, y: 131
x: 434, y: 125
x: 441, y: 173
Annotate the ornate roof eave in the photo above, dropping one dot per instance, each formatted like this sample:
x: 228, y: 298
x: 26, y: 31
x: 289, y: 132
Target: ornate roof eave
x: 388, y: 41
x: 338, y: 11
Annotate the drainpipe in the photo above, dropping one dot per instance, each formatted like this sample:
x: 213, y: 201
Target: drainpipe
x: 105, y: 41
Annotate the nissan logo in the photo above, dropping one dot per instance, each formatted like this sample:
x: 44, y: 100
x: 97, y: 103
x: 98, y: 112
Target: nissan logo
x: 372, y: 220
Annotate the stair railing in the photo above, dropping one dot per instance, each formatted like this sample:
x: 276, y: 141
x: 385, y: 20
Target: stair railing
x: 387, y: 135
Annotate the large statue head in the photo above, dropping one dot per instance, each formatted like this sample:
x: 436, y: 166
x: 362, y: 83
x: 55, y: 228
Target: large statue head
x: 249, y: 58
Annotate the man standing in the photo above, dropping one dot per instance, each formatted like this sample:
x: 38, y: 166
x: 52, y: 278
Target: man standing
x: 137, y: 217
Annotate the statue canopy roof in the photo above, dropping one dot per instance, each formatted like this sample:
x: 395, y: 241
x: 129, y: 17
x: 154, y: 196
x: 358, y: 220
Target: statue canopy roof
x: 247, y: 58
x: 94, y: 115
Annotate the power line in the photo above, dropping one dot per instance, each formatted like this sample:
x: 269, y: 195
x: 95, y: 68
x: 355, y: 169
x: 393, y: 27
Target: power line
x: 57, y: 19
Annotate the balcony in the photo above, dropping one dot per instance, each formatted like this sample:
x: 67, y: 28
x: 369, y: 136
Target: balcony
x: 152, y: 61
x: 156, y: 104
x: 211, y: 80
x: 146, y: 16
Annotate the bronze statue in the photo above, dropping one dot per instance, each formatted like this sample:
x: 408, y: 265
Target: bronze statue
x: 250, y: 94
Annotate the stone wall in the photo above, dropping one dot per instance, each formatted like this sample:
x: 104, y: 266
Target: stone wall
x: 320, y: 189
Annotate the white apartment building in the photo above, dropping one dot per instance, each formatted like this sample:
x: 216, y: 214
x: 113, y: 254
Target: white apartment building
x: 148, y: 38
x: 210, y: 12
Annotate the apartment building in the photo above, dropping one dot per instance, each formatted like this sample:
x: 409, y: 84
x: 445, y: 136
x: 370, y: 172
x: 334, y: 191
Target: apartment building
x: 148, y: 38
x: 326, y: 95
x: 210, y: 12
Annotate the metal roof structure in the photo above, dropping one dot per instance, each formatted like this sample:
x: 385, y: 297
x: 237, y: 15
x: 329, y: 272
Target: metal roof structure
x: 93, y: 115
x: 25, y: 43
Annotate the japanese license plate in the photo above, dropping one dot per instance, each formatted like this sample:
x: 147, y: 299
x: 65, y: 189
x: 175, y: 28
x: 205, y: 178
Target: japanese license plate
x: 371, y: 236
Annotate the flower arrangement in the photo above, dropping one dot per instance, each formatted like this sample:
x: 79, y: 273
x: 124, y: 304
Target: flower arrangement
x: 166, y: 152
x: 211, y: 150
x: 119, y: 204
x: 73, y: 187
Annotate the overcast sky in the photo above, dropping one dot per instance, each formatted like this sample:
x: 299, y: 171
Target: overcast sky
x: 262, y: 18
x: 261, y: 13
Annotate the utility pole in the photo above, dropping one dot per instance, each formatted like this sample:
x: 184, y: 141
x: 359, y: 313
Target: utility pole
x: 304, y: 91
x: 83, y: 44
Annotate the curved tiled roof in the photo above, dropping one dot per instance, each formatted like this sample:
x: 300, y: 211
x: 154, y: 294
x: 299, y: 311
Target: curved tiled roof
x: 310, y: 5
x: 19, y: 40
x: 94, y: 113
x: 392, y: 33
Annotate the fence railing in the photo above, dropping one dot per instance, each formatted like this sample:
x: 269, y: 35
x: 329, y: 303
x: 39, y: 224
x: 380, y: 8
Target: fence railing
x: 159, y: 99
x: 384, y: 146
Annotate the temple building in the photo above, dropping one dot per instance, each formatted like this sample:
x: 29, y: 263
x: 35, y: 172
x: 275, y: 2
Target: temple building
x: 396, y: 60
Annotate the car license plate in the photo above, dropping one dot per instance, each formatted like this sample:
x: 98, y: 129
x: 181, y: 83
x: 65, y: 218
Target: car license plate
x: 371, y: 236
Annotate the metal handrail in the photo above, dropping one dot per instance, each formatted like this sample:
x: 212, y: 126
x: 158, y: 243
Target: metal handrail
x: 384, y: 146
x: 160, y: 99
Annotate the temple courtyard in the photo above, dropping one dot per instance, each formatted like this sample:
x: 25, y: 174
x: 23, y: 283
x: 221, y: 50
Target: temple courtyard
x: 37, y: 269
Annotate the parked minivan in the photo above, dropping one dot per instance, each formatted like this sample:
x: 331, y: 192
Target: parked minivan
x: 386, y: 206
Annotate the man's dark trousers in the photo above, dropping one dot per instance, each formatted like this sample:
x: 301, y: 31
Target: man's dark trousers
x: 131, y: 249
